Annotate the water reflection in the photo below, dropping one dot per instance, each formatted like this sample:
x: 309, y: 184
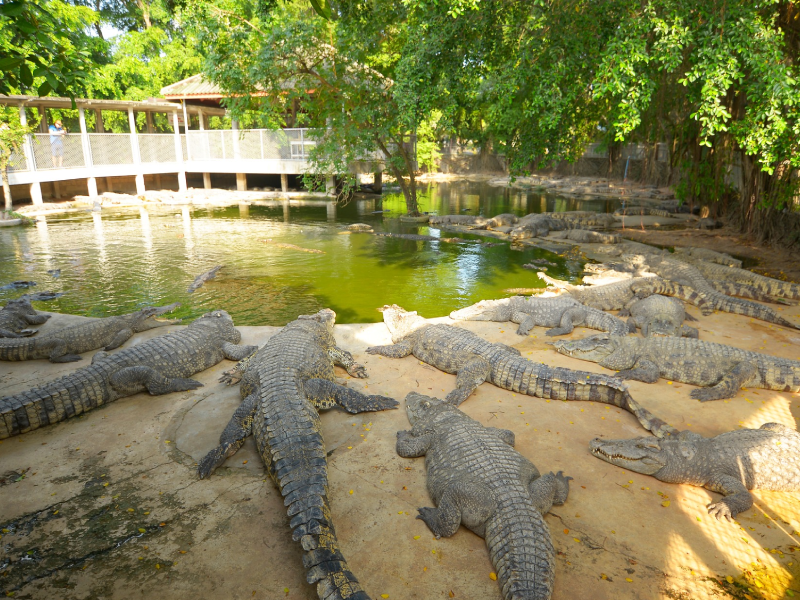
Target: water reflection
x: 152, y: 256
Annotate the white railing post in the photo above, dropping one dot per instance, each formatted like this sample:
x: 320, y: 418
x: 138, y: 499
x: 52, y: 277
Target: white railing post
x: 179, y: 153
x: 302, y: 145
x: 91, y: 182
x: 261, y: 140
x: 186, y: 130
x: 27, y: 148
x: 137, y: 157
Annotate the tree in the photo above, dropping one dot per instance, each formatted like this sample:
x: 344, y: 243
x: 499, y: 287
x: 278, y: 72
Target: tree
x: 341, y: 76
x: 12, y: 137
x: 716, y: 81
x: 43, y: 47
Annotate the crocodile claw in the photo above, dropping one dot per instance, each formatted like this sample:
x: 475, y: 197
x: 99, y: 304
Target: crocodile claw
x: 357, y: 370
x: 721, y: 511
x: 705, y: 395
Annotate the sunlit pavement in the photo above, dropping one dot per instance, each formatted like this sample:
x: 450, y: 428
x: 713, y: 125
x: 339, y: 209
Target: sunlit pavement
x: 109, y: 505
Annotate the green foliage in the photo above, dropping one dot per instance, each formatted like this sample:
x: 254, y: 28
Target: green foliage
x: 428, y: 136
x: 43, y: 47
x: 12, y: 134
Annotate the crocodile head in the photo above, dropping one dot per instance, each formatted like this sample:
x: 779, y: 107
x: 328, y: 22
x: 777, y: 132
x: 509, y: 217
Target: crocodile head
x: 400, y: 321
x: 21, y: 306
x: 661, y: 326
x: 326, y: 316
x: 485, y: 310
x: 643, y: 455
x: 419, y: 406
x: 220, y: 321
x: 146, y: 318
x: 648, y: 455
x: 593, y: 348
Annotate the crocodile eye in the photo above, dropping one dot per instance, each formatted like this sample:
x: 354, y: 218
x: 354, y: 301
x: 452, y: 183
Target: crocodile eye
x: 426, y: 404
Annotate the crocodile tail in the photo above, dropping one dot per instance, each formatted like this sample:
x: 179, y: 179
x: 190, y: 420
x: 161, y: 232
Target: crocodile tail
x: 750, y: 309
x: 17, y: 349
x: 741, y: 290
x: 685, y: 293
x: 57, y: 401
x: 293, y: 448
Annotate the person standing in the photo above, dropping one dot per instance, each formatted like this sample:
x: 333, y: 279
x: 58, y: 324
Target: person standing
x: 57, y: 133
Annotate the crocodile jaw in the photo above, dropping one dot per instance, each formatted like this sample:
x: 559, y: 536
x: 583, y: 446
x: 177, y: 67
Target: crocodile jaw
x: 151, y: 322
x: 593, y: 348
x: 642, y: 455
x: 400, y: 322
x: 485, y: 310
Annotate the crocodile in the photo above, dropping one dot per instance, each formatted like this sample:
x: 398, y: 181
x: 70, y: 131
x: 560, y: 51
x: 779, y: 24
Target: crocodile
x: 283, y: 385
x: 200, y: 280
x: 474, y: 360
x: 622, y: 294
x: 15, y: 317
x: 456, y: 220
x: 501, y: 220
x: 560, y: 313
x: 422, y: 238
x: 584, y: 236
x: 724, y: 368
x: 66, y: 345
x: 772, y: 287
x: 159, y: 366
x: 730, y: 464
x: 642, y: 210
x: 360, y: 228
x: 476, y: 478
x: 658, y: 315
x: 689, y: 275
x: 713, y: 256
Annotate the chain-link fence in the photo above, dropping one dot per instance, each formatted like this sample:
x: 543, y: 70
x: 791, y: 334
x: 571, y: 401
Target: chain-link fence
x: 17, y: 162
x: 157, y: 147
x: 111, y: 149
x: 251, y: 144
x: 57, y: 151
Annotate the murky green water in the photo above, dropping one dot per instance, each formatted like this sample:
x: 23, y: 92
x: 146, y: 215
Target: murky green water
x: 119, y: 260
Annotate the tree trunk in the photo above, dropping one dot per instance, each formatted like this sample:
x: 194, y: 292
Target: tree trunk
x: 409, y: 188
x: 7, y: 190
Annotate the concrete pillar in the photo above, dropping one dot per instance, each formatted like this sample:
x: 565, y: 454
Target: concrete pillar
x: 36, y: 193
x: 179, y: 153
x: 330, y: 184
x: 244, y: 211
x: 91, y: 183
x: 284, y: 182
x: 137, y: 157
x: 331, y: 210
x: 377, y: 183
x: 109, y: 187
x: 241, y: 182
x: 158, y: 181
x: 56, y: 190
x: 286, y: 211
x: 27, y: 146
x: 207, y: 181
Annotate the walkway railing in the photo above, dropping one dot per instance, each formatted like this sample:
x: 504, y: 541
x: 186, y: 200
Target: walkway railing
x: 68, y: 151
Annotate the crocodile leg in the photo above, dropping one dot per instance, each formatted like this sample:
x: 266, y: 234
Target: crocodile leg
x: 323, y: 394
x: 465, y: 500
x: 237, y: 352
x: 232, y: 438
x: 570, y: 318
x: 131, y: 380
x: 58, y: 351
x: 411, y: 444
x: 689, y: 332
x: 737, y: 498
x: 345, y: 360
x: 7, y: 333
x: 122, y: 336
x: 730, y: 384
x: 525, y: 322
x: 473, y: 373
x: 504, y: 434
x: 548, y: 490
x: 643, y: 370
x: 35, y: 319
x: 399, y: 350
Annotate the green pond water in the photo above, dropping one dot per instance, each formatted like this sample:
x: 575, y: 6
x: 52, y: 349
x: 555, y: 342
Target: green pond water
x: 122, y: 259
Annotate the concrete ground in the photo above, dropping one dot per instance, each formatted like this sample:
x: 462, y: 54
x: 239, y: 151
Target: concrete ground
x: 108, y: 505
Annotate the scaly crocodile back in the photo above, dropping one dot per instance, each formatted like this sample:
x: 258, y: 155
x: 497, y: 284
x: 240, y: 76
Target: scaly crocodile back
x: 288, y: 434
x: 178, y: 354
x: 516, y: 534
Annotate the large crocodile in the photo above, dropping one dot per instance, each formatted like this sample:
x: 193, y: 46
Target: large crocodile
x: 66, y: 345
x: 476, y: 478
x: 658, y: 315
x: 729, y: 464
x: 768, y: 285
x: 474, y: 360
x: 283, y: 386
x: 561, y: 314
x: 622, y: 294
x: 159, y: 366
x: 713, y: 256
x: 15, y: 317
x: 583, y: 236
x: 725, y: 368
x: 689, y: 275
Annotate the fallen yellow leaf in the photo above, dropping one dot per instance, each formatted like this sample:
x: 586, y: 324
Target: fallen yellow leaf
x: 493, y: 576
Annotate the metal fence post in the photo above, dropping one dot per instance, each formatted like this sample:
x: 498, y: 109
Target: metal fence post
x: 27, y: 147
x: 137, y: 157
x: 179, y: 153
x: 91, y: 182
